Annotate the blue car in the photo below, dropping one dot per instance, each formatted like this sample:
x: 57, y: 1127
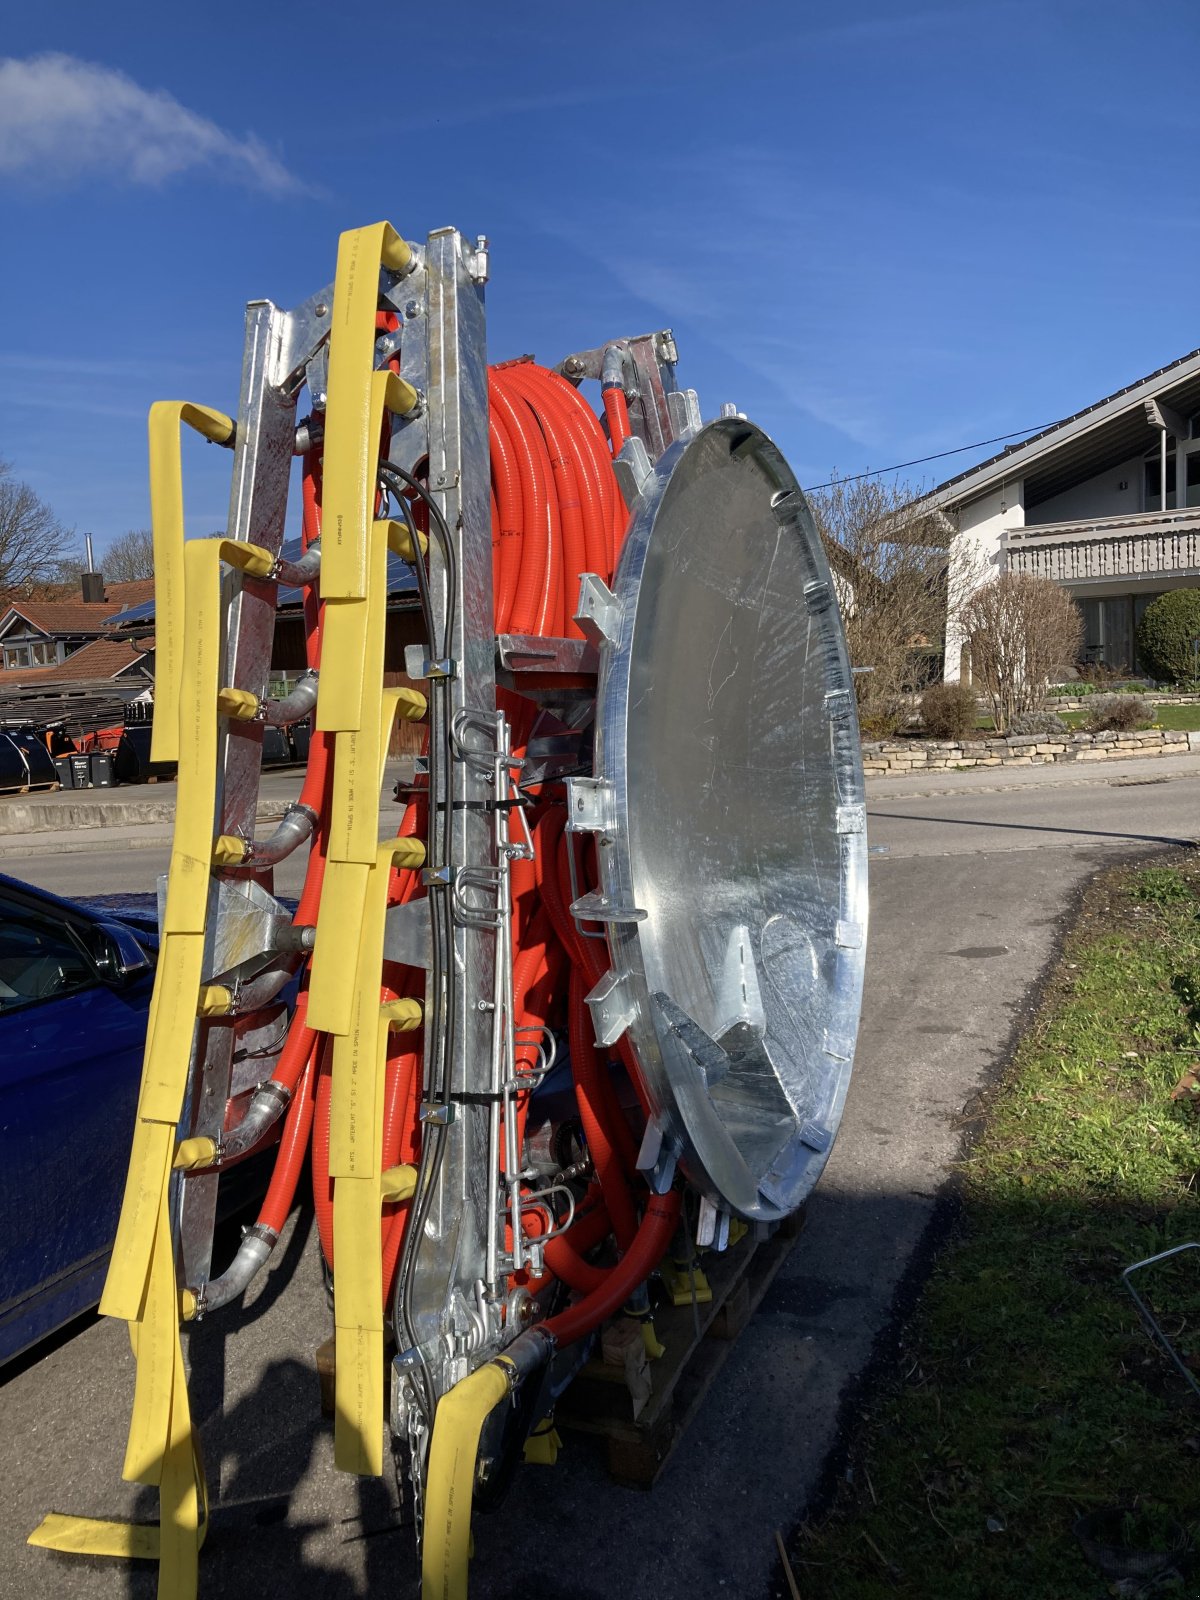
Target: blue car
x: 75, y: 984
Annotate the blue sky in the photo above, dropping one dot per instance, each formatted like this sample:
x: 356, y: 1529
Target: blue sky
x: 882, y: 231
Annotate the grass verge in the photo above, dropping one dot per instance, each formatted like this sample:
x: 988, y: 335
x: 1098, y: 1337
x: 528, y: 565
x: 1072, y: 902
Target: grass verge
x: 1026, y: 1393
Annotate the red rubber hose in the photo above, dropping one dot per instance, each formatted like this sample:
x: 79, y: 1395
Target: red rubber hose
x: 595, y: 1114
x: 616, y: 410
x: 290, y: 1157
x: 634, y: 1267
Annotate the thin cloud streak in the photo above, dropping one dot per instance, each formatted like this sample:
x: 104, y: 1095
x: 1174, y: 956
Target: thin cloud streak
x: 63, y: 119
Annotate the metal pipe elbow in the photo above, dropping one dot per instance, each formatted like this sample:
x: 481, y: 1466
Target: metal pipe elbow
x: 298, y: 704
x: 612, y: 368
x: 269, y: 1103
x: 253, y: 1254
x: 293, y: 830
x: 296, y: 574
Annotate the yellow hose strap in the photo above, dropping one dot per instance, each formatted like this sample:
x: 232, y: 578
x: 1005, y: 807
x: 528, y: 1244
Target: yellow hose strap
x: 252, y: 559
x: 355, y: 1128
x: 398, y: 1183
x: 347, y: 620
x: 354, y: 411
x: 166, y: 516
x: 457, y: 1425
x: 400, y: 541
x: 240, y: 705
x: 161, y: 1450
x: 355, y: 1164
x: 229, y: 851
x: 354, y: 813
x: 215, y: 1001
x: 335, y: 953
x: 191, y: 1153
x: 195, y: 806
x: 357, y: 1292
x: 402, y: 1016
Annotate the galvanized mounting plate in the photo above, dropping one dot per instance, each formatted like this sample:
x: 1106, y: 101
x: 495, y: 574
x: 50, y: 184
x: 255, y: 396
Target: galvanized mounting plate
x: 727, y: 733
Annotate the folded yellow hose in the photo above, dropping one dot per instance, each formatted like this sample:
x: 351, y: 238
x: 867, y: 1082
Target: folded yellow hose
x: 457, y: 1425
x: 141, y: 1286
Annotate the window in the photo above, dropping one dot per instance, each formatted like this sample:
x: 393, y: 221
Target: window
x: 1153, y: 495
x: 39, y: 960
x: 16, y: 655
x: 44, y: 653
x: 1192, y: 479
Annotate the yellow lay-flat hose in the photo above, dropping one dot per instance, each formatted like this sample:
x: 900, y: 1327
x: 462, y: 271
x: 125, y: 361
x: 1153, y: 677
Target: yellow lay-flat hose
x: 166, y: 517
x: 457, y: 1425
x: 141, y: 1286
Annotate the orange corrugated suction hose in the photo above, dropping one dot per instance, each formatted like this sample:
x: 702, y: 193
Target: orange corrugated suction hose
x: 539, y: 579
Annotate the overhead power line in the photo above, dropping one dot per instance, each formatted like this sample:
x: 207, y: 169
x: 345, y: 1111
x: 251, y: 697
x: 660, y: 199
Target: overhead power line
x: 961, y: 449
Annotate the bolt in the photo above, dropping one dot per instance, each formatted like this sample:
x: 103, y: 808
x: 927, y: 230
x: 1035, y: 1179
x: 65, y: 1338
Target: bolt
x: 321, y: 309
x: 573, y: 365
x: 411, y: 310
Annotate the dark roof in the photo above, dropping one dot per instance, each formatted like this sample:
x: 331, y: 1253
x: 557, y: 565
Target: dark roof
x: 1100, y: 435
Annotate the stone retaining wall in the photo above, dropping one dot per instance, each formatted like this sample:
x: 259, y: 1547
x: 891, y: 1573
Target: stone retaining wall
x: 1028, y: 750
x: 1081, y: 702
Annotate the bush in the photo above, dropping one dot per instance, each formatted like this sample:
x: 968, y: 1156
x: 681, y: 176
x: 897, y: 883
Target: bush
x: 949, y: 711
x: 1023, y: 631
x: 1116, y: 713
x: 1039, y: 722
x: 882, y: 719
x: 1169, y: 627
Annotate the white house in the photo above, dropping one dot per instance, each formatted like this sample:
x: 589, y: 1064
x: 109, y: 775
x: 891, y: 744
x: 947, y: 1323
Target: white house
x: 1082, y: 503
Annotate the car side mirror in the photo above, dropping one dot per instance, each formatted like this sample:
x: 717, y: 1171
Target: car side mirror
x: 118, y: 956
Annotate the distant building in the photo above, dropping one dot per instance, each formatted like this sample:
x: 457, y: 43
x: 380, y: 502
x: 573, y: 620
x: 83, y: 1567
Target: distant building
x: 1083, y: 503
x: 59, y: 640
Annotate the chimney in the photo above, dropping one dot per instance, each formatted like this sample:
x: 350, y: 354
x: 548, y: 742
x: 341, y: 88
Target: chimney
x: 93, y: 582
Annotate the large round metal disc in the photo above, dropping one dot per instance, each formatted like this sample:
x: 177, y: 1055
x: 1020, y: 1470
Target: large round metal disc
x: 733, y: 846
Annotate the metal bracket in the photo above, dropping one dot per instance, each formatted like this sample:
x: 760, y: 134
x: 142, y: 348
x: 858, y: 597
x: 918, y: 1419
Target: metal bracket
x: 406, y: 934
x: 612, y: 1007
x: 632, y: 467
x: 683, y: 407
x: 598, y: 613
x: 657, y: 1157
x: 589, y: 805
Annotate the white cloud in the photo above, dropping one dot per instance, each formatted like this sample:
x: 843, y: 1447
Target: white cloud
x: 62, y: 119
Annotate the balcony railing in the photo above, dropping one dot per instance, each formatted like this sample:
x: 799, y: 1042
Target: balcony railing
x: 1160, y: 544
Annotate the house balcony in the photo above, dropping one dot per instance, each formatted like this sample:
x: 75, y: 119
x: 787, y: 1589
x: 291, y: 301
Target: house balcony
x: 1160, y: 545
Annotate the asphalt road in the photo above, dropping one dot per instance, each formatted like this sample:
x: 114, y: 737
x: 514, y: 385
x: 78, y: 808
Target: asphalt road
x: 969, y: 891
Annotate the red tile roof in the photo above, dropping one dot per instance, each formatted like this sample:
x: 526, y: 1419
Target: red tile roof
x: 102, y: 658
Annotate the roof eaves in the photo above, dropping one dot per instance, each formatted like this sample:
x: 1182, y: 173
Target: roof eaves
x: 1015, y: 459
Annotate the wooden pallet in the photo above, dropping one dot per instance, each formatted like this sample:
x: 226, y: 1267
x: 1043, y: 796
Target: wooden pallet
x: 698, y: 1341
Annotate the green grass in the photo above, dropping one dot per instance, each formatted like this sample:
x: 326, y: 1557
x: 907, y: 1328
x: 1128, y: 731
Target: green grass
x: 1026, y: 1392
x: 1185, y: 718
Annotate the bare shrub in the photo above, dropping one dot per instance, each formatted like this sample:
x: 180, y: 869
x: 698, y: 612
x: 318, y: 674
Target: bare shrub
x: 887, y: 549
x: 1039, y: 722
x: 1116, y: 713
x: 129, y: 557
x: 949, y: 710
x: 1022, y: 630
